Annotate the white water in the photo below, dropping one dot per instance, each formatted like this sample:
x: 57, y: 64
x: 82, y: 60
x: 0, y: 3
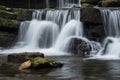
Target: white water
x: 69, y: 3
x: 111, y: 49
x: 47, y: 35
x: 49, y: 32
x: 47, y: 4
x: 72, y: 28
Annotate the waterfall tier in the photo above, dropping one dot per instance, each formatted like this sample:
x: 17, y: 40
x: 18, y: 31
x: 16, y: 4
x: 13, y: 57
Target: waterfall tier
x: 50, y: 32
x: 111, y: 49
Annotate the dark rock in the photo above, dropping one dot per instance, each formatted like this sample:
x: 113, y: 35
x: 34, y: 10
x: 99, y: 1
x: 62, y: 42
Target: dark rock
x: 79, y: 46
x: 39, y: 63
x: 9, y: 25
x: 110, y: 3
x: 91, y: 15
x: 7, y: 38
x: 94, y: 32
x: 7, y: 15
x: 93, y: 2
x: 25, y: 14
x: 21, y: 57
x: 87, y: 5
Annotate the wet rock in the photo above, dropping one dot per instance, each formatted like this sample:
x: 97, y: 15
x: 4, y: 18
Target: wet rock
x: 25, y: 14
x: 79, y: 47
x: 87, y: 5
x: 9, y: 25
x: 94, y: 32
x: 91, y: 15
x: 8, y: 15
x: 91, y: 2
x: 39, y: 63
x: 7, y: 38
x: 21, y: 57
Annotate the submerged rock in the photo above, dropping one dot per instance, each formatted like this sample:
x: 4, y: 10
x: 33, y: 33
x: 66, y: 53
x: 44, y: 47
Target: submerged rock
x: 39, y: 63
x: 21, y: 57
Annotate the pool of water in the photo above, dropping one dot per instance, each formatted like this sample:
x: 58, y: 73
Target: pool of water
x: 74, y: 68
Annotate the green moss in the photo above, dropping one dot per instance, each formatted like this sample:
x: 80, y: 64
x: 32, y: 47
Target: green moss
x: 8, y: 23
x: 2, y: 7
x: 110, y: 3
x: 40, y: 60
x: 7, y: 15
x: 94, y: 2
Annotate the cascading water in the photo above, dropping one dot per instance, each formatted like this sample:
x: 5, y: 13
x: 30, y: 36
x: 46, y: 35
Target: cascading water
x: 47, y: 34
x: 111, y: 49
x: 47, y: 4
x: 50, y: 31
x: 69, y: 3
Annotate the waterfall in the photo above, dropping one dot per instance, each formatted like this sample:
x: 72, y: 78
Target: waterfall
x: 50, y: 30
x: 111, y: 49
x: 47, y: 4
x: 47, y: 31
x: 69, y: 3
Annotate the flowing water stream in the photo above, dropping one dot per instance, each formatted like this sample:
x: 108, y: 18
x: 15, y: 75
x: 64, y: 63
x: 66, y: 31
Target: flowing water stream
x: 111, y: 49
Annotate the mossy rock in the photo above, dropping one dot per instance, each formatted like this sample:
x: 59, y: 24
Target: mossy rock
x: 8, y: 23
x: 87, y: 5
x: 2, y: 7
x: 93, y: 2
x: 21, y: 57
x: 8, y: 15
x: 39, y: 62
x: 110, y: 3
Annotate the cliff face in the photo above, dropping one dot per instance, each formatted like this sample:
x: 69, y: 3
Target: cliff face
x: 10, y: 19
x: 93, y: 25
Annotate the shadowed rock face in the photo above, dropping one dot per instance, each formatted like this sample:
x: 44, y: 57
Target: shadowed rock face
x: 91, y: 15
x: 93, y: 25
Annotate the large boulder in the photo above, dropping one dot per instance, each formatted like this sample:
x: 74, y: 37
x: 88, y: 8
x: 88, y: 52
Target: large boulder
x: 91, y: 15
x: 79, y: 46
x: 21, y: 57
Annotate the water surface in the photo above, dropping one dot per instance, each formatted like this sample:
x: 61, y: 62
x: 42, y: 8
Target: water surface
x: 74, y: 68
